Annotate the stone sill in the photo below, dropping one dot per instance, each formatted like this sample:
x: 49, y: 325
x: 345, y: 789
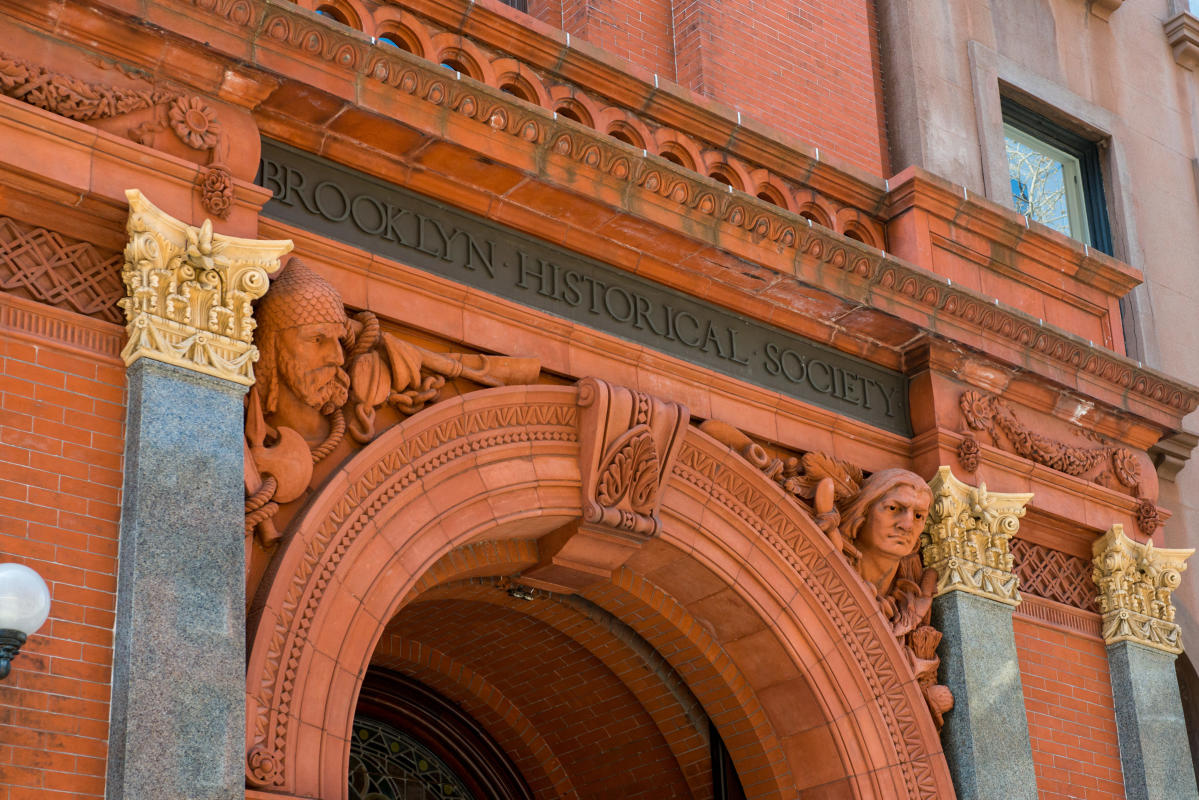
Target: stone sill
x: 914, y: 187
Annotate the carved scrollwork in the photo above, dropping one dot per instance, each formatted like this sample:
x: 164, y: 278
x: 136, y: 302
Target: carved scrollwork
x: 189, y: 292
x: 968, y: 535
x: 628, y: 443
x: 1111, y: 466
x: 1136, y: 583
x: 70, y: 97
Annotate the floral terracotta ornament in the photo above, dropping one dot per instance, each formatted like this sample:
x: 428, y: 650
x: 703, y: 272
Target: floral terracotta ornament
x: 194, y: 123
x: 216, y: 190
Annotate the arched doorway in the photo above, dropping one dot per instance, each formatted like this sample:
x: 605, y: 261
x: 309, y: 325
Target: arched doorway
x: 740, y: 594
x: 584, y: 705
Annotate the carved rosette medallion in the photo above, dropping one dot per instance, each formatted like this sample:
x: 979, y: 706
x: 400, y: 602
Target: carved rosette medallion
x: 967, y: 536
x: 628, y: 441
x: 1135, y: 583
x: 189, y: 292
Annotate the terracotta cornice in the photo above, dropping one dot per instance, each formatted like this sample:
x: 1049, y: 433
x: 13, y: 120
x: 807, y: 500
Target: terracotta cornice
x: 326, y: 63
x: 629, y: 85
x: 92, y: 169
x: 916, y: 188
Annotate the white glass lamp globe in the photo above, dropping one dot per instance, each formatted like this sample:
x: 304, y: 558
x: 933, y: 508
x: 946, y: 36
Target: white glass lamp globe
x: 24, y: 599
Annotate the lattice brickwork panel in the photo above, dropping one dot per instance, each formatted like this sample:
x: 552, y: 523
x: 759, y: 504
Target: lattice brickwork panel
x: 1054, y: 575
x: 59, y: 271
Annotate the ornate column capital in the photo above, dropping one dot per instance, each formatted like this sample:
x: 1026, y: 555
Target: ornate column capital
x: 967, y: 535
x: 189, y: 292
x: 1135, y: 583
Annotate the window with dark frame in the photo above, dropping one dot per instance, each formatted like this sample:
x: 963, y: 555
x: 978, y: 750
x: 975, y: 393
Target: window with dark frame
x: 1056, y: 176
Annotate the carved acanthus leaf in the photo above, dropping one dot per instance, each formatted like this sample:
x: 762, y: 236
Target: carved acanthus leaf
x: 1136, y: 583
x: 70, y: 97
x: 967, y: 536
x: 989, y: 414
x: 628, y: 441
x: 189, y: 292
x: 629, y: 471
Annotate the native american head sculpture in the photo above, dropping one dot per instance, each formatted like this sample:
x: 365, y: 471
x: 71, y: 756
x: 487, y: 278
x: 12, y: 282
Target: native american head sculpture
x: 875, y: 524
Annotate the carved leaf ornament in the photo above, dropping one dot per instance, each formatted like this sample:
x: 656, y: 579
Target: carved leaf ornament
x: 967, y: 538
x: 1136, y: 583
x: 630, y: 470
x: 189, y: 292
x: 627, y: 440
x: 1113, y: 467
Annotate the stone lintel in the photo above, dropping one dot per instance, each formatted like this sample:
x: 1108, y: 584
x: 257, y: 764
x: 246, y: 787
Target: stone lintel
x: 1171, y: 453
x: 1182, y: 33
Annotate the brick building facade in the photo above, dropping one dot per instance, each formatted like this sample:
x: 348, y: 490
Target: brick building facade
x: 452, y: 398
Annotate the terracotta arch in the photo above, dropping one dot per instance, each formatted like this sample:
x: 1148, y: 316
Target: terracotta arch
x: 503, y: 464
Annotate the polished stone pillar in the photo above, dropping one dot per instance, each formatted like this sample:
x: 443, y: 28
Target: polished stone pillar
x: 178, y: 687
x: 986, y: 733
x: 1135, y: 583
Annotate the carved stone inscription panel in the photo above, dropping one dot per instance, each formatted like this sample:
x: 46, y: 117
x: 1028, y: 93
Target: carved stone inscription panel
x: 352, y: 207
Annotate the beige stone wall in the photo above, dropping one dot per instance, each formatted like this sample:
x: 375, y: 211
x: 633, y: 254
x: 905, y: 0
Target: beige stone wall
x: 943, y: 64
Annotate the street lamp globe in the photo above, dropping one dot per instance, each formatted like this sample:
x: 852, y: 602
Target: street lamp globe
x: 24, y: 606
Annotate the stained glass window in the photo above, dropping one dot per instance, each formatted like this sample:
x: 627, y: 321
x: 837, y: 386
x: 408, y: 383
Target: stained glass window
x: 388, y: 764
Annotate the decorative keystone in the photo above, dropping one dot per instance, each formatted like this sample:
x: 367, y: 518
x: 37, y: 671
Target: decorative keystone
x: 189, y: 292
x: 967, y: 536
x: 628, y: 442
x: 1135, y: 582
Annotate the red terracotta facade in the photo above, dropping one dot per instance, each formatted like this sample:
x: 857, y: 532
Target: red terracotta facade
x: 736, y: 155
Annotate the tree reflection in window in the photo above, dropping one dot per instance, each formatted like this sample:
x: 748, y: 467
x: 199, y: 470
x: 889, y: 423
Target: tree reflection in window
x: 1044, y: 188
x: 387, y: 764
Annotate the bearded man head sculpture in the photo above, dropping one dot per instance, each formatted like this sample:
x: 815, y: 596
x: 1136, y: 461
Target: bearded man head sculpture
x: 300, y: 375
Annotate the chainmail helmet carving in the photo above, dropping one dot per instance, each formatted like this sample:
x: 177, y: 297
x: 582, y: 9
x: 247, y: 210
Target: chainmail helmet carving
x: 296, y: 298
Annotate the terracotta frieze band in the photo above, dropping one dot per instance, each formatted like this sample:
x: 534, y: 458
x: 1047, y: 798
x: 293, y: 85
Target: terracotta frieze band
x: 966, y: 539
x: 343, y: 204
x: 189, y: 290
x: 1136, y: 583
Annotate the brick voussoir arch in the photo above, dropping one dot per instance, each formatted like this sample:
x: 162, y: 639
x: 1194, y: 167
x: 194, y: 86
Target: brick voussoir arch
x: 511, y: 727
x: 502, y: 463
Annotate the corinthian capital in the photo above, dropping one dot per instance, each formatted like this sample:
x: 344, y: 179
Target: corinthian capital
x: 189, y: 290
x: 967, y: 535
x: 1135, y: 583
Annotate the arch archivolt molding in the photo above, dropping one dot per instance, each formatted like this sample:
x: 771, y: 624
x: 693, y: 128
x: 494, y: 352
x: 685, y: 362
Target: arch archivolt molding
x: 504, y: 463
